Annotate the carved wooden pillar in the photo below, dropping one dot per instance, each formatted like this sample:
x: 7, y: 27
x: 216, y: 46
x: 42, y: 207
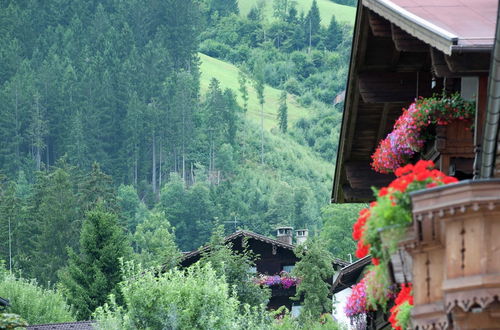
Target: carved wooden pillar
x: 465, y: 220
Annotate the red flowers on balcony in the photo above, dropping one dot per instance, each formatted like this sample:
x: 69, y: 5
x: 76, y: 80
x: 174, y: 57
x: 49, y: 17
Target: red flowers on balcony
x: 408, y: 135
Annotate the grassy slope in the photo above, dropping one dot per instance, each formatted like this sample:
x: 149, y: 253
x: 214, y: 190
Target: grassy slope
x: 227, y: 74
x: 327, y: 9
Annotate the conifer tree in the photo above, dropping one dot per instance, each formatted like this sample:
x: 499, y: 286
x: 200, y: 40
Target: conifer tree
x: 94, y: 272
x: 333, y: 35
x: 312, y: 25
x: 283, y: 113
x: 56, y: 224
x: 242, y: 80
x: 259, y: 80
x: 314, y: 268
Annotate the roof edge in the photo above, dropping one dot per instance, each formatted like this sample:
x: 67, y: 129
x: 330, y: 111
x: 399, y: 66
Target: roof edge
x: 414, y: 25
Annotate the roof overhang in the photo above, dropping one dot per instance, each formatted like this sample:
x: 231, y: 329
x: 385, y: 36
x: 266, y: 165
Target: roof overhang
x: 418, y: 27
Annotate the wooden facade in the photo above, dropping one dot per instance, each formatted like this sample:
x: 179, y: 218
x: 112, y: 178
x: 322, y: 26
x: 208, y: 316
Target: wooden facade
x: 390, y: 67
x: 451, y: 253
x: 273, y: 256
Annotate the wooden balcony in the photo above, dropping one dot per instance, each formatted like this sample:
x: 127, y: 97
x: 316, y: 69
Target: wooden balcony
x: 456, y: 256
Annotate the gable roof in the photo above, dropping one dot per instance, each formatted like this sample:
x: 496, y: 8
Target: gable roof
x: 348, y: 276
x: 447, y: 25
x: 258, y: 237
x: 81, y: 325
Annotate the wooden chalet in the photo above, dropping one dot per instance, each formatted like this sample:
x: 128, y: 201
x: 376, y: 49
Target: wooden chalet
x: 403, y: 49
x: 273, y: 257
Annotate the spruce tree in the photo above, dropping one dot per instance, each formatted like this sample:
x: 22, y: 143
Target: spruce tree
x: 312, y: 25
x: 56, y: 225
x: 94, y: 272
x: 283, y: 113
x: 333, y: 35
x: 314, y: 268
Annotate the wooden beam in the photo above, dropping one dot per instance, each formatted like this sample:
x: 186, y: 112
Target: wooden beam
x: 405, y: 42
x: 360, y: 175
x: 383, y: 123
x: 469, y: 63
x: 381, y: 87
x: 459, y: 65
x: 380, y: 27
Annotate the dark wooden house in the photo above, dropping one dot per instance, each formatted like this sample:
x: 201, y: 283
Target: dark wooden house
x: 403, y: 49
x: 274, y: 256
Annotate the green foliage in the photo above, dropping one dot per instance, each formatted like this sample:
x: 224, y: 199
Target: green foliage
x: 193, y: 299
x: 154, y: 242
x: 11, y: 321
x: 94, y: 272
x: 283, y: 113
x: 56, y: 219
x: 378, y: 287
x: 314, y: 268
x: 404, y: 313
x: 33, y: 303
x: 337, y: 228
x: 235, y: 268
x: 324, y: 322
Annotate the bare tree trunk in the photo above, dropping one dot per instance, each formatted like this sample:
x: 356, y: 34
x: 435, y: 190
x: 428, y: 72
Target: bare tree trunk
x: 159, y: 174
x: 154, y: 163
x: 262, y: 134
x: 135, y: 169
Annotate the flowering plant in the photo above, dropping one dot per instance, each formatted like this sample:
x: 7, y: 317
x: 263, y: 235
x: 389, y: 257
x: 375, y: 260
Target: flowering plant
x: 284, y: 279
x: 356, y: 303
x: 391, y: 212
x: 390, y: 216
x: 407, y: 136
x: 400, y: 312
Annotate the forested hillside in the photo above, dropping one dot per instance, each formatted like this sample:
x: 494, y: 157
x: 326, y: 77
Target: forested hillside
x: 171, y: 115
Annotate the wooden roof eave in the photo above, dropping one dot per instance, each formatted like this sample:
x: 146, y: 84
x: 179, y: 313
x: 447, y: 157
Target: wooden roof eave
x: 424, y: 30
x: 352, y: 96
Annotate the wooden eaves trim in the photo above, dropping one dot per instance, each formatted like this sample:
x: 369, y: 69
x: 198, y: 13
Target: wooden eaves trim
x: 351, y: 100
x: 418, y: 27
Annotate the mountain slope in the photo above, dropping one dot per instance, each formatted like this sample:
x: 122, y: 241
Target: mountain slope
x: 327, y: 9
x: 227, y: 74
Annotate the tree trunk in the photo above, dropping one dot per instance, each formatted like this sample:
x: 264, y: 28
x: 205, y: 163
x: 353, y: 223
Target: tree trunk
x: 154, y: 163
x: 262, y: 134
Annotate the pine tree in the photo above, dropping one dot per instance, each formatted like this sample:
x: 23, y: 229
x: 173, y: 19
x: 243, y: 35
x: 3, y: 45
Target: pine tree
x: 314, y: 268
x: 312, y: 25
x: 94, y: 272
x: 97, y: 188
x: 333, y: 35
x: 223, y: 8
x: 259, y: 80
x: 283, y: 113
x: 242, y: 80
x: 56, y: 220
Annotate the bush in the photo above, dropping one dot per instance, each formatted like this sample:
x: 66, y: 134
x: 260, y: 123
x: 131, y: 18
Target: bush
x: 192, y: 299
x: 33, y: 303
x: 215, y: 49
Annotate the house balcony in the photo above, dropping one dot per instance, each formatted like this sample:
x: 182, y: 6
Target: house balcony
x: 455, y: 254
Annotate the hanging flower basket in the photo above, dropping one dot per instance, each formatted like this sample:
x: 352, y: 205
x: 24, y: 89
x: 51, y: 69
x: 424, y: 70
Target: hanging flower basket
x: 408, y: 135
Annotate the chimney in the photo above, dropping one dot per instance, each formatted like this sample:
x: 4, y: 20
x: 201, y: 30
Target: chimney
x: 285, y: 234
x: 301, y: 236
